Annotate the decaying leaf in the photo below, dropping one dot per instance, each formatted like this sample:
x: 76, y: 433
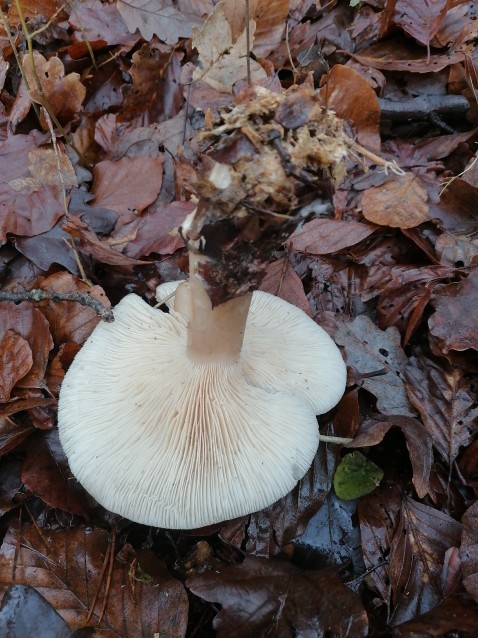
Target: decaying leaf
x: 17, y: 360
x: 325, y: 236
x: 282, y: 280
x: 263, y: 597
x: 65, y: 566
x: 370, y: 350
x: 421, y: 18
x: 161, y: 17
x: 222, y: 61
x: 399, y: 203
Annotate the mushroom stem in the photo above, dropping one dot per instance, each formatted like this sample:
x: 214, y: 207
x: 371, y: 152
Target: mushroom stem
x: 340, y: 440
x: 214, y: 334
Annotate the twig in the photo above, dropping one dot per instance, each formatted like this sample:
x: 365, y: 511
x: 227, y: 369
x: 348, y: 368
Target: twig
x: 36, y: 295
x: 110, y: 572
x: 376, y: 159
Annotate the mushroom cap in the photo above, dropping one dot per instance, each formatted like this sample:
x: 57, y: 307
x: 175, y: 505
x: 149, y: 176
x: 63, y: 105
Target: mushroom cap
x: 165, y: 441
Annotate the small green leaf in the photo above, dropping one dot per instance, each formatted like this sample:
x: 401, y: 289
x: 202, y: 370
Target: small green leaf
x: 354, y: 3
x: 356, y: 476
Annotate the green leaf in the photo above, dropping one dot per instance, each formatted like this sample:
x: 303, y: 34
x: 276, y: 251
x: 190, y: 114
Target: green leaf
x: 356, y: 476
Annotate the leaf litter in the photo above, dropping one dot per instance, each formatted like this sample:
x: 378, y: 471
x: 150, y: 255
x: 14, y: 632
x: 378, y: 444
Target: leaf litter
x: 143, y: 92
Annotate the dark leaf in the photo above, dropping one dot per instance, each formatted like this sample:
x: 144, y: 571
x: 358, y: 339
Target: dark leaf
x: 282, y: 280
x: 456, y: 615
x: 325, y: 236
x: 17, y: 360
x: 273, y: 598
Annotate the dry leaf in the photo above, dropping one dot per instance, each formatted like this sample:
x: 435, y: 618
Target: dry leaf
x: 399, y: 203
x: 63, y: 94
x: 221, y: 62
x: 17, y: 360
x: 282, y: 280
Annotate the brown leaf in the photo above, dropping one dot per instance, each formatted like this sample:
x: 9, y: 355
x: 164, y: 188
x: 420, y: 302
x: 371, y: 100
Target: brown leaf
x: 66, y: 568
x: 94, y: 20
x: 352, y: 98
x: 265, y: 533
x: 222, y: 61
x: 419, y: 445
x: 28, y: 322
x: 370, y: 350
x: 90, y: 244
x: 128, y: 185
x: 445, y: 399
x: 399, y: 203
x: 457, y: 615
x: 12, y: 434
x: 270, y: 17
x: 17, y: 360
x: 157, y: 230
x: 59, y: 365
x: 391, y: 56
x: 454, y: 319
x: 49, y: 478
x: 263, y: 597
x: 282, y: 281
x: 469, y: 550
x: 70, y: 321
x: 420, y: 18
x: 25, y: 211
x: 156, y: 93
x: 63, y: 94
x: 325, y: 236
x: 378, y: 515
x: 418, y: 547
x: 162, y: 18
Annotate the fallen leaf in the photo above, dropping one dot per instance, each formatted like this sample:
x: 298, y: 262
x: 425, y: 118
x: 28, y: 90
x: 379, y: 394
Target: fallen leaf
x: 49, y: 477
x: 352, y: 98
x: 356, y: 476
x: 445, y: 400
x: 456, y: 615
x: 371, y: 350
x: 399, y: 203
x: 128, y: 185
x: 34, y: 211
x: 25, y: 613
x: 160, y: 17
x: 420, y: 18
x: 263, y: 597
x: 282, y: 281
x: 10, y: 485
x: 52, y: 247
x: 94, y: 20
x: 157, y: 230
x: 17, y: 360
x: 469, y: 550
x: 418, y: 547
x: 418, y: 440
x: 70, y: 321
x: 222, y: 61
x: 28, y: 322
x: 391, y: 56
x: 454, y: 319
x: 66, y: 568
x: 63, y: 94
x: 325, y: 236
x: 270, y: 17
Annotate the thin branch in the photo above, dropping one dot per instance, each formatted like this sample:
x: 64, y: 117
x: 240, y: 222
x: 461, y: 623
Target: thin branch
x: 35, y: 295
x: 248, y: 44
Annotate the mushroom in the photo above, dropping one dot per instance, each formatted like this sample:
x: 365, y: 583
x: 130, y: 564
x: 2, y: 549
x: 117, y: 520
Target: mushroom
x: 188, y: 418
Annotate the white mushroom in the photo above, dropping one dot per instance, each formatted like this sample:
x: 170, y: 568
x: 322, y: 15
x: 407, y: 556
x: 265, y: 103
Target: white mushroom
x: 186, y: 419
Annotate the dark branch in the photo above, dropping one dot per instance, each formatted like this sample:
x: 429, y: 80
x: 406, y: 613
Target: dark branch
x: 34, y: 296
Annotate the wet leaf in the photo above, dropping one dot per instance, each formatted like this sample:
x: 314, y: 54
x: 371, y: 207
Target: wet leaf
x: 400, y: 202
x: 24, y: 613
x: 418, y: 547
x: 469, y: 550
x: 456, y: 615
x: 262, y: 597
x: 370, y: 350
x: 356, y: 476
x: 419, y: 444
x: 64, y: 566
x: 445, y: 400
